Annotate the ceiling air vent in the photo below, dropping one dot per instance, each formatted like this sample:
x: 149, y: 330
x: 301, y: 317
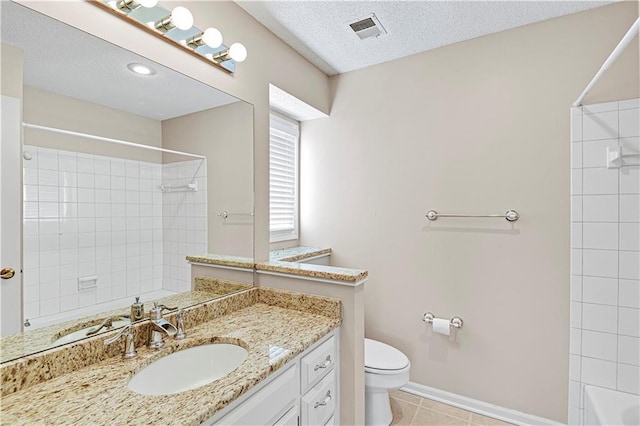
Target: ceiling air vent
x: 368, y: 27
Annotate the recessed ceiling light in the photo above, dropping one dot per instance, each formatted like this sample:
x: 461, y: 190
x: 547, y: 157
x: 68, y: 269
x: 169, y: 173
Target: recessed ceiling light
x: 141, y: 69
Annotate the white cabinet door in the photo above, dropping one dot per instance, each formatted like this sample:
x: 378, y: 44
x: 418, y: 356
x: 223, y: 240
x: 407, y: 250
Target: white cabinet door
x: 269, y: 403
x: 11, y: 217
x: 290, y: 418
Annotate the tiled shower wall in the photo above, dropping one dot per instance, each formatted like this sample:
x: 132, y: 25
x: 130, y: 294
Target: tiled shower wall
x: 605, y: 251
x: 184, y: 214
x: 87, y: 215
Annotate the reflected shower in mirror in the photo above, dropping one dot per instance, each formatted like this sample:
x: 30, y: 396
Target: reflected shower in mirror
x: 106, y: 222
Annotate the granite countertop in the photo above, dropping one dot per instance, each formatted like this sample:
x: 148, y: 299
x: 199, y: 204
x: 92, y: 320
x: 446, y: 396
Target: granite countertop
x: 291, y: 254
x: 334, y: 273
x: 296, y: 254
x: 43, y: 338
x: 40, y: 339
x: 286, y: 261
x: 223, y: 260
x: 98, y: 393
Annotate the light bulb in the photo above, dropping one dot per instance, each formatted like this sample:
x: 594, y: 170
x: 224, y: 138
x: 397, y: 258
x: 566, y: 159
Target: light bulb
x: 148, y: 3
x: 212, y: 37
x: 238, y: 52
x: 182, y: 18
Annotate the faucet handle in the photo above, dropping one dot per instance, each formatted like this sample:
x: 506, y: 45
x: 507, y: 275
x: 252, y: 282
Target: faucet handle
x: 155, y: 313
x: 129, y: 345
x: 180, y: 334
x: 167, y: 308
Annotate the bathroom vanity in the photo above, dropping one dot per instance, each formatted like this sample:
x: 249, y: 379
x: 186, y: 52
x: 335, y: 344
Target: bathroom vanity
x: 305, y: 388
x: 291, y: 370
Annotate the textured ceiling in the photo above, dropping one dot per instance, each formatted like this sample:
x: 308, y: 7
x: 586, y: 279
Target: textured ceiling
x: 319, y: 30
x: 70, y: 62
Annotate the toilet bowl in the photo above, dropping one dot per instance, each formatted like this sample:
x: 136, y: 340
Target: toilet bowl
x: 385, y: 368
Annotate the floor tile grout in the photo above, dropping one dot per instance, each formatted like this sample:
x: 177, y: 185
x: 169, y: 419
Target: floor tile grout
x: 397, y: 395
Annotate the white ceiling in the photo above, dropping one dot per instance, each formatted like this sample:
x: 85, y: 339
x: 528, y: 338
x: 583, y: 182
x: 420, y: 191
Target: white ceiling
x: 70, y: 62
x: 319, y: 30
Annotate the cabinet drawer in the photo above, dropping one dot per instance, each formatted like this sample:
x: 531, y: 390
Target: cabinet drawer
x: 267, y: 405
x: 318, y: 404
x: 317, y: 363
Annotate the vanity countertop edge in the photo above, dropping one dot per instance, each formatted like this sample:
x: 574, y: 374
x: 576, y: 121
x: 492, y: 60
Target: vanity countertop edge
x: 288, y: 261
x: 290, y: 254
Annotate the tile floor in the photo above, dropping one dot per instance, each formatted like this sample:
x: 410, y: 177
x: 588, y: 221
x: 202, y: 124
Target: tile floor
x: 412, y: 410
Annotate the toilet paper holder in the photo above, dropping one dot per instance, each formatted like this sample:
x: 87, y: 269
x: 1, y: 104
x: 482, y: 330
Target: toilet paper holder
x: 455, y: 322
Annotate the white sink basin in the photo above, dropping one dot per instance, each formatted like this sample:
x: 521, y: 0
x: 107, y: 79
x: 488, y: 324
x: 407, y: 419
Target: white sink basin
x: 188, y: 369
x: 82, y: 333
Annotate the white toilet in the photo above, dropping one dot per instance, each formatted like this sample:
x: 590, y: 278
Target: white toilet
x: 385, y: 368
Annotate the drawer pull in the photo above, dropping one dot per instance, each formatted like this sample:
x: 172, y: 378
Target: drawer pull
x: 326, y: 364
x: 325, y: 401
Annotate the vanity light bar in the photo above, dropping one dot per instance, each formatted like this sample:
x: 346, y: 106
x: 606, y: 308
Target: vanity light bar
x: 176, y: 27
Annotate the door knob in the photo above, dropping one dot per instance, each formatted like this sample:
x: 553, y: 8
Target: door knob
x: 7, y: 273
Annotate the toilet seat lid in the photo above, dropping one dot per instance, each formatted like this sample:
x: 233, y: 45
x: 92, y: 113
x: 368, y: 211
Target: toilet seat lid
x: 380, y: 356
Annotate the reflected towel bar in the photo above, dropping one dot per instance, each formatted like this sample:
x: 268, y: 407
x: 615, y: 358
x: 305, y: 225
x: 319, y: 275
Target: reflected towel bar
x: 190, y: 187
x: 225, y: 214
x: 510, y: 215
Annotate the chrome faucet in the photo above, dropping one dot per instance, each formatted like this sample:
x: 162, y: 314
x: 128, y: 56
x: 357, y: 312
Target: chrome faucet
x: 129, y: 346
x: 180, y: 325
x: 159, y: 327
x: 107, y: 323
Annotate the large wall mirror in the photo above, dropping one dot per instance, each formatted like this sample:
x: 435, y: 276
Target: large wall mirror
x: 105, y: 223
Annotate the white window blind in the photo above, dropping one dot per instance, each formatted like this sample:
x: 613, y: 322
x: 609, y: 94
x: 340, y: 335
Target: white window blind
x: 283, y: 178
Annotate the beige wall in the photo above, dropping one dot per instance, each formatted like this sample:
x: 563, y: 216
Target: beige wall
x: 270, y: 60
x: 11, y: 72
x: 477, y: 127
x: 225, y: 136
x: 51, y: 109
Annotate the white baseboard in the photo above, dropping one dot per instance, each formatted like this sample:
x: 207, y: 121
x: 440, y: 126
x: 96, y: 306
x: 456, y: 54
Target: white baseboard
x: 484, y: 408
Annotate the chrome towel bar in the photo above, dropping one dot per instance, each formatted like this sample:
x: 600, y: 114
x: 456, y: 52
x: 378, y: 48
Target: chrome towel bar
x: 510, y: 215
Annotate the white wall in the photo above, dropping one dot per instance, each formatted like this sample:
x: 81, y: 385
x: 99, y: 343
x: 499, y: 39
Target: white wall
x: 605, y: 252
x: 476, y: 127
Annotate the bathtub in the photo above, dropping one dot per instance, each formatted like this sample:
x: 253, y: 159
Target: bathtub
x: 609, y: 407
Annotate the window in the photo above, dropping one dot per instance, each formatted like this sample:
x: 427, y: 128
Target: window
x: 283, y: 178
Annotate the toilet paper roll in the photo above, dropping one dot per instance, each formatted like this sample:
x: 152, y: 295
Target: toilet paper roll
x: 441, y: 326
